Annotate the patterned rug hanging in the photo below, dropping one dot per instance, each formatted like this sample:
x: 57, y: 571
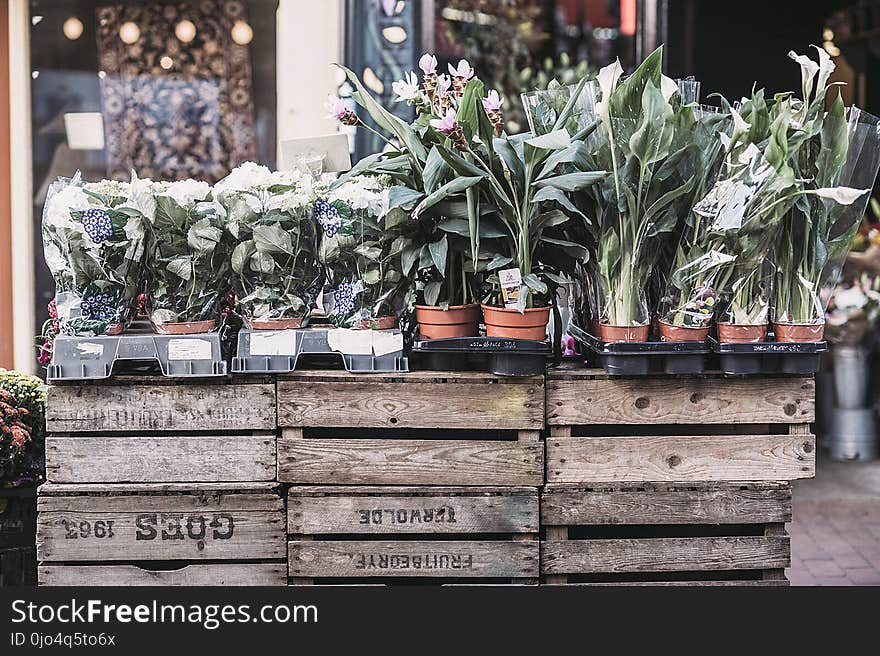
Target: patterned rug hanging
x: 176, y: 89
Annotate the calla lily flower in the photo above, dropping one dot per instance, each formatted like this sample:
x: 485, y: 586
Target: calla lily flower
x: 608, y: 78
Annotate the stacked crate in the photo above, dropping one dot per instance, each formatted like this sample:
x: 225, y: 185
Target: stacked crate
x: 672, y: 480
x: 157, y: 481
x: 428, y: 477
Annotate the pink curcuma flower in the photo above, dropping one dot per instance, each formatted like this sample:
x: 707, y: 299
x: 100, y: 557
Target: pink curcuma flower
x: 463, y: 70
x: 492, y: 102
x: 428, y: 64
x: 340, y: 111
x: 447, y: 123
x: 407, y: 89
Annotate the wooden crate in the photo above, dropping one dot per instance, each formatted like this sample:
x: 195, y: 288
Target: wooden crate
x: 424, y: 428
x: 678, y: 428
x: 148, y: 429
x: 18, y: 566
x: 139, y: 534
x: 358, y: 534
x: 666, y: 534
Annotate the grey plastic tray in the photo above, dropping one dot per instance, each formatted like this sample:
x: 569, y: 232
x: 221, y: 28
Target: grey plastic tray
x: 178, y: 356
x: 281, y: 351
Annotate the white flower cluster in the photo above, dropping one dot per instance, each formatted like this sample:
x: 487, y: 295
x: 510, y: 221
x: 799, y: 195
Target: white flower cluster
x: 368, y: 193
x: 185, y: 193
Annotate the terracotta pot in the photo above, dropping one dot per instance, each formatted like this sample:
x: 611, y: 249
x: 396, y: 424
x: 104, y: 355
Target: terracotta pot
x: 501, y: 322
x: 188, y: 328
x: 799, y: 332
x: 115, y: 329
x: 273, y: 324
x: 457, y: 321
x: 609, y: 333
x: 379, y: 323
x: 672, y: 333
x: 732, y: 333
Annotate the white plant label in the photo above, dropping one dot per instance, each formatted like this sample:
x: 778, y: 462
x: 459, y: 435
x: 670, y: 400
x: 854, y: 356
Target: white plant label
x: 90, y: 349
x: 387, y: 342
x: 282, y: 342
x: 351, y: 342
x: 189, y: 349
x: 511, y: 281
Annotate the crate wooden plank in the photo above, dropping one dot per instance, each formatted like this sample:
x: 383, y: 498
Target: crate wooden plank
x: 413, y: 511
x: 419, y: 558
x: 686, y: 458
x: 360, y: 402
x: 201, y: 574
x: 175, y: 527
x: 409, y: 462
x: 198, y: 489
x: 142, y: 458
x: 143, y: 406
x: 682, y: 400
x: 573, y: 506
x: 665, y: 554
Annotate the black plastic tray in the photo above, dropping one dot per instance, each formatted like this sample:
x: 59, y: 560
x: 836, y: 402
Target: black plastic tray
x: 644, y: 358
x: 769, y: 357
x: 498, y: 355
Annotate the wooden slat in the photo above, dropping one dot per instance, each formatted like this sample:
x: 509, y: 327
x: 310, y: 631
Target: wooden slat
x: 366, y: 403
x: 687, y: 458
x: 440, y: 513
x: 174, y: 527
x: 420, y: 558
x: 681, y: 400
x: 730, y: 505
x: 144, y: 406
x: 143, y: 458
x: 410, y: 462
x: 67, y: 489
x: 665, y: 554
x: 203, y: 574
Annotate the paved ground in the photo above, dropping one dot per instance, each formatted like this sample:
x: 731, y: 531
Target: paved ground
x: 836, y: 529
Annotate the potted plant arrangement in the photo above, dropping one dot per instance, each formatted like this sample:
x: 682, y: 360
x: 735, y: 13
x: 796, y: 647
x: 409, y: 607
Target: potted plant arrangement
x: 643, y: 135
x: 362, y: 254
x: 187, y: 265
x: 275, y: 269
x: 821, y: 226
x: 93, y: 243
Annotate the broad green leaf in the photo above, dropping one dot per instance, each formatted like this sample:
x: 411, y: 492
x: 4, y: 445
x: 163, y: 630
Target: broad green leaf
x: 451, y: 188
x: 262, y: 262
x: 403, y: 197
x: 556, y: 140
x: 439, y: 250
x: 372, y: 276
x: 241, y: 254
x: 571, y: 181
x: 436, y: 170
x: 181, y: 267
x: 432, y: 292
x: 202, y: 236
x: 272, y: 239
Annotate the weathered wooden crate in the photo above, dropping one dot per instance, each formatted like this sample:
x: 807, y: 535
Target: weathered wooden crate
x: 358, y: 534
x: 666, y: 534
x: 161, y: 534
x: 678, y: 428
x: 139, y: 429
x: 424, y: 428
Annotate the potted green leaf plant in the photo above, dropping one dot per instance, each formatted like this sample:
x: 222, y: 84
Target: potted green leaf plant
x: 275, y: 268
x: 187, y: 266
x: 93, y: 243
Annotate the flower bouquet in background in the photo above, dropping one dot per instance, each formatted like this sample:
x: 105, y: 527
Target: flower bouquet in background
x: 274, y: 260
x: 93, y: 242
x: 22, y: 427
x: 187, y: 265
x: 362, y: 254
x: 853, y: 309
x: 643, y: 134
x: 839, y: 165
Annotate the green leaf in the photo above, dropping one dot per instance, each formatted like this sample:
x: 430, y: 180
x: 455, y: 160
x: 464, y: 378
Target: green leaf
x: 202, y: 236
x: 408, y: 258
x: 574, y: 250
x: 272, y: 239
x: 439, y: 250
x: 553, y: 194
x: 372, y: 276
x: 403, y: 197
x: 241, y: 254
x: 432, y: 292
x: 651, y: 141
x: 436, y: 169
x: 556, y: 140
x: 395, y: 217
x: 572, y: 181
x: 534, y: 283
x: 451, y: 188
x: 469, y: 107
x: 262, y: 262
x: 181, y: 267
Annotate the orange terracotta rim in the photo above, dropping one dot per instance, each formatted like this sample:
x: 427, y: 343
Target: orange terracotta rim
x: 609, y: 333
x: 530, y: 324
x: 732, y: 333
x: 799, y: 332
x: 456, y: 321
x: 379, y: 323
x: 115, y: 329
x: 185, y: 328
x: 672, y: 333
x: 273, y: 324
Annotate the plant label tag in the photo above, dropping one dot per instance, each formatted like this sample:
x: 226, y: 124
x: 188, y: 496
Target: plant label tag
x: 387, y: 342
x: 282, y: 342
x: 85, y: 130
x: 511, y: 281
x: 90, y: 350
x: 351, y: 342
x: 189, y: 349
